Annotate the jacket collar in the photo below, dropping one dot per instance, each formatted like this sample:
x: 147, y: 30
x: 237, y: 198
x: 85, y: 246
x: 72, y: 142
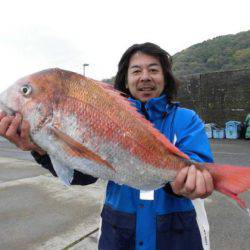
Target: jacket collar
x: 156, y: 106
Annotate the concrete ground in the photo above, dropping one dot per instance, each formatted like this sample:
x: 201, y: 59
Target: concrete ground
x: 229, y: 225
x: 38, y: 212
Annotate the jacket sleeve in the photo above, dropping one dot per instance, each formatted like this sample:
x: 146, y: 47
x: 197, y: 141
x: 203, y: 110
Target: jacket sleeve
x: 191, y: 137
x: 78, y: 178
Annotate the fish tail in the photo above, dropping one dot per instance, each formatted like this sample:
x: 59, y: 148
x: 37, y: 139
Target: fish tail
x: 231, y: 181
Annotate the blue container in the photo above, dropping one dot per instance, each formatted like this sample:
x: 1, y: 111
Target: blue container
x: 218, y: 133
x: 233, y: 129
x: 209, y: 129
x: 247, y: 129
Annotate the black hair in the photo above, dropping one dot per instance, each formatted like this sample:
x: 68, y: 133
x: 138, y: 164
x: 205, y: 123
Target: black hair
x: 171, y: 83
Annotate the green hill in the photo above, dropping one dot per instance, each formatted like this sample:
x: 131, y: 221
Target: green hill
x: 218, y: 54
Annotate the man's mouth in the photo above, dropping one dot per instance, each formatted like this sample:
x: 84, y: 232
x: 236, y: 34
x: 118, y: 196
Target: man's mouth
x: 146, y: 88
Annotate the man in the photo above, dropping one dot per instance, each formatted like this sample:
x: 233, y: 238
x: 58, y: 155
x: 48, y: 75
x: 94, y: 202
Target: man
x: 133, y: 219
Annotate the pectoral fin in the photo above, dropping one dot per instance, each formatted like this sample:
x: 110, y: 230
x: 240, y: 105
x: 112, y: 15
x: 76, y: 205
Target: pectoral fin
x: 76, y: 149
x: 64, y: 173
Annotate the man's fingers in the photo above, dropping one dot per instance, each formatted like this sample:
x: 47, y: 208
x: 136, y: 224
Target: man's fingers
x: 200, y: 185
x: 208, y: 182
x: 193, y: 183
x: 179, y: 181
x: 11, y: 133
x: 25, y: 142
x: 9, y: 129
x: 25, y: 129
x: 4, y: 125
x: 191, y: 177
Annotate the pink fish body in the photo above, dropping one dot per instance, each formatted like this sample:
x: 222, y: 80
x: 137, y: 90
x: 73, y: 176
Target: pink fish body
x: 86, y: 125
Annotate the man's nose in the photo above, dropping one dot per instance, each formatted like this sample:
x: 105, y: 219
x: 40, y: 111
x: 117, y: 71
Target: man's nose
x: 145, y: 76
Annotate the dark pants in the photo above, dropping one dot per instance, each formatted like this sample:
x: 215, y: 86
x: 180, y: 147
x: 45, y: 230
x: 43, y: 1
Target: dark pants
x: 175, y: 231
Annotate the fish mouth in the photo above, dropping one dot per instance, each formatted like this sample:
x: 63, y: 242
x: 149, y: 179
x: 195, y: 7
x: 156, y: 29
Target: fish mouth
x: 6, y: 109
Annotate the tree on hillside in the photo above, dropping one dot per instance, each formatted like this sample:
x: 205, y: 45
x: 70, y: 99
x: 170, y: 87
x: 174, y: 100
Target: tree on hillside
x: 221, y: 53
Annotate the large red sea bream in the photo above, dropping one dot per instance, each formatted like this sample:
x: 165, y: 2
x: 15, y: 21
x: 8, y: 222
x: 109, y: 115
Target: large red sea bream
x: 86, y: 125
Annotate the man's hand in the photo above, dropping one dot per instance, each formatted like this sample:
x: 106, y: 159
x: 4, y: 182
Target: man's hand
x: 9, y: 129
x: 192, y: 183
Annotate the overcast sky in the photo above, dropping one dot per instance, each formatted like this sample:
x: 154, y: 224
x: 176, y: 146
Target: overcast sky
x: 36, y: 35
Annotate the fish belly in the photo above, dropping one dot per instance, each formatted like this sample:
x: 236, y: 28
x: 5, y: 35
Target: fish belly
x: 127, y: 169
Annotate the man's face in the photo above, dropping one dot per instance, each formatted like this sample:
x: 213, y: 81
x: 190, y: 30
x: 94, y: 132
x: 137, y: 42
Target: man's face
x: 145, y: 79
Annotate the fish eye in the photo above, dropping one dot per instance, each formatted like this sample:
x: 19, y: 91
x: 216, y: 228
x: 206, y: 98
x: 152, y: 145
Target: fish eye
x: 26, y: 90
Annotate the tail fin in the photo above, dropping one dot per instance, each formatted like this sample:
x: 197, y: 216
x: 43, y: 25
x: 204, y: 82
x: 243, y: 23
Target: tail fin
x: 231, y: 181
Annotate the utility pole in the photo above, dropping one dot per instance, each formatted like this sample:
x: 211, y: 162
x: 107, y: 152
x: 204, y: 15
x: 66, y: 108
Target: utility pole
x: 84, y: 65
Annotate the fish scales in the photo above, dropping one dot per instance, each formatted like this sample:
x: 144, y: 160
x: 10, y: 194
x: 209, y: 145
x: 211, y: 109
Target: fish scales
x: 103, y: 126
x: 86, y: 125
x: 112, y: 115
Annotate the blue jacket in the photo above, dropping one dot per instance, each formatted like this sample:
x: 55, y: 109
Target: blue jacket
x: 133, y: 223
x: 164, y: 221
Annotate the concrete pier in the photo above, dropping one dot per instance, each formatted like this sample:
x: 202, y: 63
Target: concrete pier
x: 38, y: 212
